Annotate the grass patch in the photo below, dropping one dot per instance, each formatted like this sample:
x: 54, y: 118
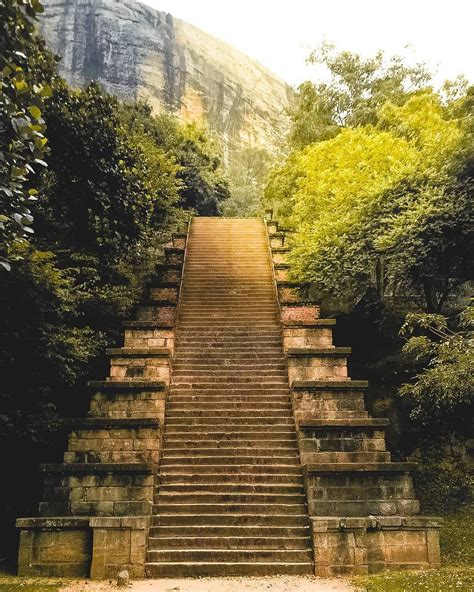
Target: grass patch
x: 16, y: 584
x: 446, y: 579
x: 457, y: 538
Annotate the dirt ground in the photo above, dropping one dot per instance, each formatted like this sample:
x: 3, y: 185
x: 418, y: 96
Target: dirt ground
x: 264, y: 584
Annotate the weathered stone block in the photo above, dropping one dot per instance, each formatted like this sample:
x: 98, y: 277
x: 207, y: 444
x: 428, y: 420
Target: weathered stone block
x: 352, y: 546
x: 272, y: 227
x: 53, y: 548
x: 174, y: 256
x: 179, y: 240
x: 317, y: 364
x: 328, y: 399
x: 129, y: 404
x: 299, y: 312
x: 281, y: 271
x: 146, y: 367
x: 280, y: 255
x: 161, y: 314
x: 300, y: 334
x: 277, y: 240
x: 166, y: 292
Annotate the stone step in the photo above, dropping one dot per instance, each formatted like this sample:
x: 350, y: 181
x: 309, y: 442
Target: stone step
x: 220, y: 555
x: 226, y: 323
x: 242, y: 391
x: 223, y: 411
x: 217, y: 434
x: 213, y: 317
x: 219, y: 406
x: 227, y: 358
x: 233, y: 478
x: 222, y: 398
x: 230, y: 519
x: 192, y: 293
x: 241, y: 421
x: 228, y: 569
x: 223, y: 466
x: 221, y: 403
x: 233, y: 428
x: 162, y: 508
x: 253, y: 372
x: 228, y: 365
x: 228, y: 542
x: 195, y: 499
x: 172, y: 442
x: 262, y: 382
x: 230, y: 488
x: 246, y: 334
x: 229, y: 531
x: 198, y: 345
x: 234, y: 459
x: 225, y: 305
x: 241, y: 342
x: 230, y: 298
x: 238, y: 451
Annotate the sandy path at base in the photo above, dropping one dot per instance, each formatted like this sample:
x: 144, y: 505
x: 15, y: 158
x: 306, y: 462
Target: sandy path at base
x: 264, y: 584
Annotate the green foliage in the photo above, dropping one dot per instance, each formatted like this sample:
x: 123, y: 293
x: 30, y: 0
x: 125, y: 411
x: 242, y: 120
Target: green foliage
x: 442, y: 481
x: 203, y: 183
x: 105, y: 189
x: 248, y: 173
x: 441, y: 394
x: 357, y: 88
x: 457, y: 537
x: 26, y: 70
x: 378, y: 186
x: 385, y: 206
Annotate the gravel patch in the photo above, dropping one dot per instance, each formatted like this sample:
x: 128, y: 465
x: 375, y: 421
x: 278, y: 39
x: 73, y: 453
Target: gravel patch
x: 248, y: 584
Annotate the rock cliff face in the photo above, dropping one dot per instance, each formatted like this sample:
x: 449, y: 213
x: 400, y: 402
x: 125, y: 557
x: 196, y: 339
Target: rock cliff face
x: 136, y: 51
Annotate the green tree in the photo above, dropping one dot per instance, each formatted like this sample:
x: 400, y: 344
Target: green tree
x: 105, y: 188
x: 203, y: 182
x: 385, y: 206
x: 355, y: 91
x: 248, y: 173
x: 26, y: 70
x: 441, y: 393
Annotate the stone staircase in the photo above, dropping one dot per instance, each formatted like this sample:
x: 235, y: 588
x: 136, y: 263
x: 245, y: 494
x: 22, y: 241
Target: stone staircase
x: 230, y: 498
x: 228, y: 438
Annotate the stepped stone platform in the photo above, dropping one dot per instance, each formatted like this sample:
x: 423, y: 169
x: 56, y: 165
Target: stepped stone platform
x: 230, y: 498
x: 228, y: 438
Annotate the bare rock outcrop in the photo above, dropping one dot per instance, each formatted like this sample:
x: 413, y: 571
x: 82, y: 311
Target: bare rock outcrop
x: 136, y: 51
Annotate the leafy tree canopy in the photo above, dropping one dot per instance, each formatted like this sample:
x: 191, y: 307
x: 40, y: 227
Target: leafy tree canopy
x: 382, y: 192
x: 26, y: 72
x: 356, y: 89
x: 203, y: 181
x: 248, y: 173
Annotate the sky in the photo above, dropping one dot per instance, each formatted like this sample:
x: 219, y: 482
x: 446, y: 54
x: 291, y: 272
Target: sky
x: 281, y: 33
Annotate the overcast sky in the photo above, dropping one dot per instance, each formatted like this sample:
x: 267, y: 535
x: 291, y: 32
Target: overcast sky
x: 280, y: 33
